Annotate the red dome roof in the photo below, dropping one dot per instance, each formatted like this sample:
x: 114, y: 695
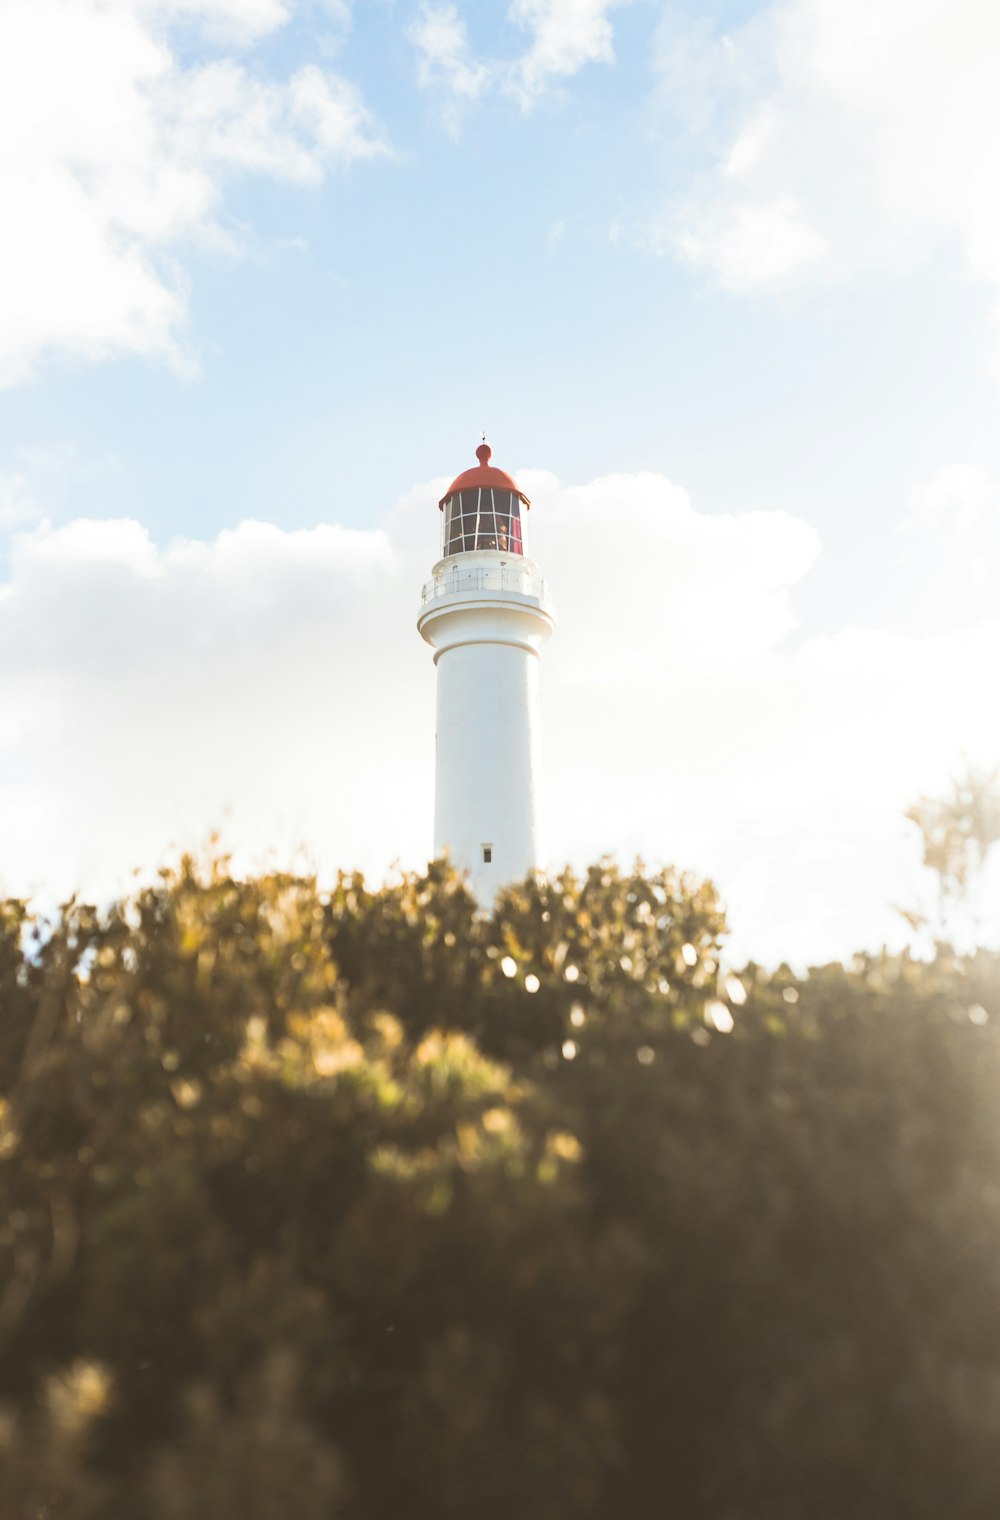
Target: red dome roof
x: 483, y: 474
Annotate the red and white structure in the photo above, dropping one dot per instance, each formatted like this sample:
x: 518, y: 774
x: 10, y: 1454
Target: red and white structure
x: 486, y: 613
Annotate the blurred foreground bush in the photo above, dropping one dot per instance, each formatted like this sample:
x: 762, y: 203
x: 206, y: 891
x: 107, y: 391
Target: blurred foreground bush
x: 356, y: 1204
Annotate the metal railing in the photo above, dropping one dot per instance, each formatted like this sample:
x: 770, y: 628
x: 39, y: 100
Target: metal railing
x: 483, y: 578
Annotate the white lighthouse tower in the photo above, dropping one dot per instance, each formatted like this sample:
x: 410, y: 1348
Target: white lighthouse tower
x: 486, y: 612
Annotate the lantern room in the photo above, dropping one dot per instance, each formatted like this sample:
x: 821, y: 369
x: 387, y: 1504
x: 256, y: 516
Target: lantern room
x: 484, y: 509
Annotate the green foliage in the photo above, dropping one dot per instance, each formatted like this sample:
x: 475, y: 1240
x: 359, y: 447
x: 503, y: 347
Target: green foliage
x: 361, y: 1203
x: 958, y: 832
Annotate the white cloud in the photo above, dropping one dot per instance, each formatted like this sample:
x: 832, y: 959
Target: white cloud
x: 754, y: 246
x: 17, y: 506
x: 273, y: 684
x: 960, y: 504
x: 444, y: 58
x: 694, y: 582
x: 563, y: 36
x: 555, y: 235
x: 687, y: 719
x: 230, y: 20
x: 846, y: 133
x: 949, y: 547
x: 267, y: 683
x: 114, y: 153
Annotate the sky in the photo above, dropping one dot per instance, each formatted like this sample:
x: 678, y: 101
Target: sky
x: 721, y: 282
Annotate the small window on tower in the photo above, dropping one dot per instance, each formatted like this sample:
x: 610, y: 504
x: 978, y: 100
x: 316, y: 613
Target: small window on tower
x: 487, y: 854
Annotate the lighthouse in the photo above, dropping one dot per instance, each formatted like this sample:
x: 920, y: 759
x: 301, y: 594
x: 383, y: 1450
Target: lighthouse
x: 486, y: 613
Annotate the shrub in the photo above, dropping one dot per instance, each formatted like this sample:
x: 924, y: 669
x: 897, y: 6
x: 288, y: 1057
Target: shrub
x: 360, y: 1203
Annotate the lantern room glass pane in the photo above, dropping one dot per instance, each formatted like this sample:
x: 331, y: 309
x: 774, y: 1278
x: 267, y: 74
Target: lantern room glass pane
x: 452, y: 526
x: 470, y: 517
x: 486, y: 532
x: 515, y: 535
x: 508, y: 514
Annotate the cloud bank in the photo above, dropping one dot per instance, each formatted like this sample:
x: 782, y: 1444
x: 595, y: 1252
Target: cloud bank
x: 563, y: 36
x: 271, y: 684
x: 115, y: 152
x: 843, y: 135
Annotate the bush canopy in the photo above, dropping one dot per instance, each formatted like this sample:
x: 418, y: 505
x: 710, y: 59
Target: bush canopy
x: 362, y: 1204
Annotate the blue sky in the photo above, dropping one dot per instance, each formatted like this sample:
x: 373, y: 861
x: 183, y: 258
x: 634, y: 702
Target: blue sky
x: 722, y: 280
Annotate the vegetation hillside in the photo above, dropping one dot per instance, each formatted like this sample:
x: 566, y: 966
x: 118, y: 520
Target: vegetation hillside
x: 355, y: 1204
